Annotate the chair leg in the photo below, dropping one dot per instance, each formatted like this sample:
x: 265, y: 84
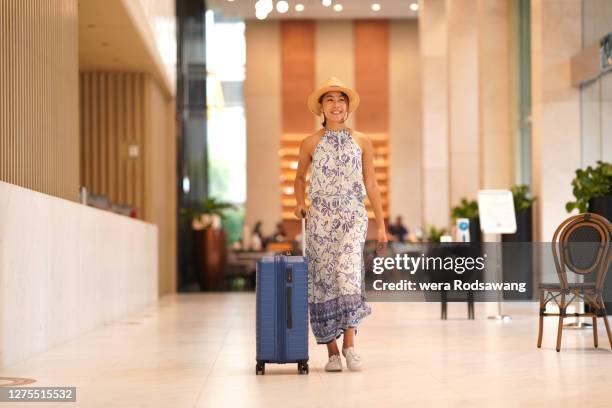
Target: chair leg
x: 443, y: 305
x: 560, y: 327
x: 540, y: 327
x: 595, y: 340
x: 559, y: 333
x: 605, y: 317
x: 541, y: 324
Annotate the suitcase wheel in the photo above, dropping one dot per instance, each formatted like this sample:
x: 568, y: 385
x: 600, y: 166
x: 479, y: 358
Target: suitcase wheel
x: 303, y: 368
x: 260, y: 368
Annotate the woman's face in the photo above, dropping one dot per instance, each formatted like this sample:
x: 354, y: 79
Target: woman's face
x: 334, y: 106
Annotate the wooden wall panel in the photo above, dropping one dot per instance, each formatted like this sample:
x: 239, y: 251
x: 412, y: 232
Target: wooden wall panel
x: 39, y: 133
x: 372, y: 75
x: 159, y: 154
x: 298, y: 74
x: 113, y: 120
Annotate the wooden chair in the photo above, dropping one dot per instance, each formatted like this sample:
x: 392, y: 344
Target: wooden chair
x: 581, y: 244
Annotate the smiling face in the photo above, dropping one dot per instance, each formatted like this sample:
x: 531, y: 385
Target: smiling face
x: 334, y: 106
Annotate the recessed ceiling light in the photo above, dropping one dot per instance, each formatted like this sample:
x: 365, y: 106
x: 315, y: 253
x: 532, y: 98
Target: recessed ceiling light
x: 282, y: 6
x: 265, y: 6
x: 375, y: 7
x: 299, y: 8
x: 414, y: 6
x: 326, y: 3
x: 338, y: 7
x: 261, y: 15
x: 230, y: 0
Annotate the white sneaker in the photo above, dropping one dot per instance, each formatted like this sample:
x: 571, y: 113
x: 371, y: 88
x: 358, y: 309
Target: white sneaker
x: 334, y: 363
x: 353, y: 360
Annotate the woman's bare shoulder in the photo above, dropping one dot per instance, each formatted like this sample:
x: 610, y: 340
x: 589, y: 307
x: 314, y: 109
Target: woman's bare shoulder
x: 361, y: 138
x: 310, y: 141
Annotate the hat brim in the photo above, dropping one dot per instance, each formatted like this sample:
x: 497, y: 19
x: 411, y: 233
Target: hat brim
x: 313, y: 100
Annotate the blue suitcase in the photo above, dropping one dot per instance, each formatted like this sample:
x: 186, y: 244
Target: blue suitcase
x: 282, y: 311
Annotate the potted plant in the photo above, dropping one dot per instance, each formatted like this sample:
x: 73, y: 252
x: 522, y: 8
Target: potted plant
x: 210, y: 242
x: 468, y: 209
x: 592, y: 189
x: 433, y: 234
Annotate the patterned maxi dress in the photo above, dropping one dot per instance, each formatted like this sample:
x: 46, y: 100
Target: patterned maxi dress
x: 337, y: 226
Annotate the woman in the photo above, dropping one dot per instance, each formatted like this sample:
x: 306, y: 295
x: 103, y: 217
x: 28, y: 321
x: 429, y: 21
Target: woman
x: 342, y: 174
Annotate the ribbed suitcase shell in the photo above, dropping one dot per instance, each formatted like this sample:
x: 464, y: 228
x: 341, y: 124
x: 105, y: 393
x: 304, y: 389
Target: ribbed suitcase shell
x: 276, y: 342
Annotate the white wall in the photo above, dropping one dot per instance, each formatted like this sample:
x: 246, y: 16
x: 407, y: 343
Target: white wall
x: 65, y: 269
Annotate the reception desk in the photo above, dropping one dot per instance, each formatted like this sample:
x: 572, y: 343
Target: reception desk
x: 66, y: 268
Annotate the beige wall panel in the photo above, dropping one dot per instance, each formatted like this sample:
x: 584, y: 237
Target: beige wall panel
x: 262, y: 93
x: 405, y: 142
x: 334, y: 55
x: 555, y: 107
x: 497, y: 146
x: 598, y: 18
x: 39, y: 128
x: 463, y: 91
x: 434, y: 60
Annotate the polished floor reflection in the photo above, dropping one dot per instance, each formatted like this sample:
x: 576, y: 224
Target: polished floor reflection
x: 198, y: 350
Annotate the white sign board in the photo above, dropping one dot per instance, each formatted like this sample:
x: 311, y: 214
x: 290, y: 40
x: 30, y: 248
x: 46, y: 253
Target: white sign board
x: 496, y: 210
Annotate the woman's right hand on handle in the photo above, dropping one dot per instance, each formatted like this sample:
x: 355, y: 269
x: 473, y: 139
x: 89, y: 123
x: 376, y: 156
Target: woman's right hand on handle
x: 300, y: 211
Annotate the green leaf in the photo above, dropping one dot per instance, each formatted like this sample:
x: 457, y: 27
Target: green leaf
x: 590, y: 183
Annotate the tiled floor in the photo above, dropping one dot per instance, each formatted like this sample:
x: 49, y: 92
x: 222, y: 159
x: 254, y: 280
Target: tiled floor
x: 198, y: 350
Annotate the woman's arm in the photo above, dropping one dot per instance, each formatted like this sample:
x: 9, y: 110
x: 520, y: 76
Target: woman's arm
x: 299, y: 186
x: 371, y: 185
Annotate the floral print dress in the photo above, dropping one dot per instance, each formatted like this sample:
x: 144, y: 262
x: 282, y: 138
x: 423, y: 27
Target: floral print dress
x: 336, y: 231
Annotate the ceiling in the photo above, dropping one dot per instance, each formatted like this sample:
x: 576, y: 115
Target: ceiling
x: 110, y: 40
x: 352, y: 9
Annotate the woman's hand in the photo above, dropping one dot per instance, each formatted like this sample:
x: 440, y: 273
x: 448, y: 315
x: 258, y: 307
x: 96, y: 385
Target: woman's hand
x: 300, y: 211
x: 382, y: 236
x: 382, y: 241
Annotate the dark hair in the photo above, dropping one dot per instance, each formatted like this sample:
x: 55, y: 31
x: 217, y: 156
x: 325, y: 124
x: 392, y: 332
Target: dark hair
x: 346, y: 98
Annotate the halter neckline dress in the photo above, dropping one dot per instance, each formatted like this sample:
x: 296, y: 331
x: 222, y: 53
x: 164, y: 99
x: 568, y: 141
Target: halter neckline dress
x: 336, y: 232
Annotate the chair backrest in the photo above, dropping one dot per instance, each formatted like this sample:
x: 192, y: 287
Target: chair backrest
x: 582, y: 244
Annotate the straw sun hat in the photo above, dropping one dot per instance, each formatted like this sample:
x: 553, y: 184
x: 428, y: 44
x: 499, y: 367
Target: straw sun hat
x: 331, y: 85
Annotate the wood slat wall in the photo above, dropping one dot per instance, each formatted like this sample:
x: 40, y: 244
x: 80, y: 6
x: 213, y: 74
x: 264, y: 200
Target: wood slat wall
x: 112, y: 120
x: 39, y: 131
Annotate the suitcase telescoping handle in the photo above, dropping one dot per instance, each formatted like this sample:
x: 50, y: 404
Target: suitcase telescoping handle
x: 303, y: 233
